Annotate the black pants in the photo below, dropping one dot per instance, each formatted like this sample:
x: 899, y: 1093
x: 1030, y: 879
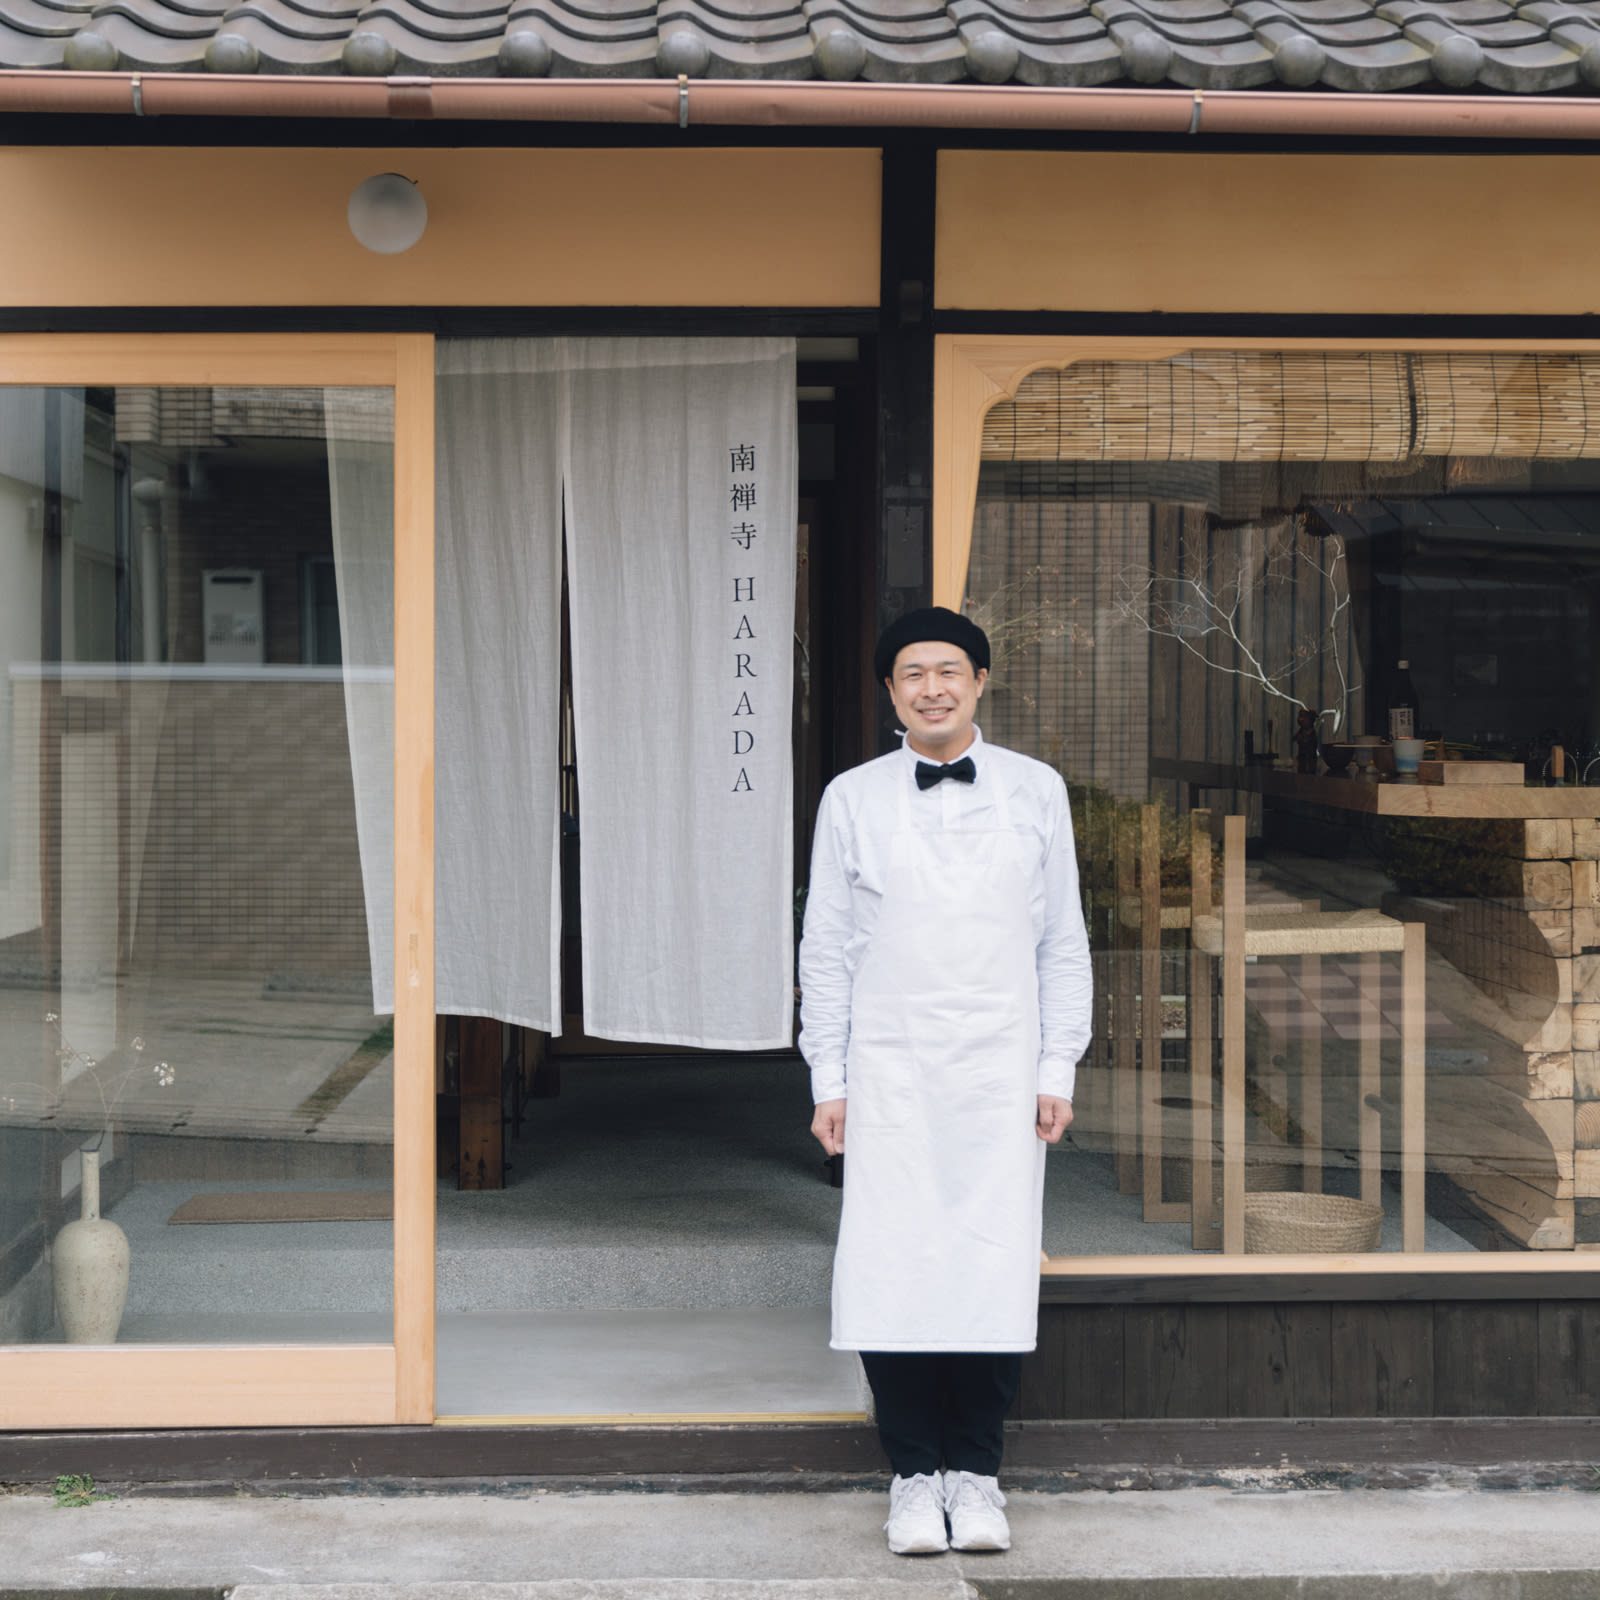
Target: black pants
x: 942, y: 1410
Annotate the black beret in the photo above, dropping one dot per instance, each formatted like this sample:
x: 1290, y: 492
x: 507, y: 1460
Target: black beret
x: 932, y: 622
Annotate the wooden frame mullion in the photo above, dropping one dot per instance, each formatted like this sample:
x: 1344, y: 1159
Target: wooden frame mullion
x: 170, y: 1386
x: 414, y: 1145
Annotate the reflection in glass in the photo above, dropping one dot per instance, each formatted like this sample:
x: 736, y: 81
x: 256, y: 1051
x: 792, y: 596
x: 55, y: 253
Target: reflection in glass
x: 195, y: 856
x: 1201, y: 576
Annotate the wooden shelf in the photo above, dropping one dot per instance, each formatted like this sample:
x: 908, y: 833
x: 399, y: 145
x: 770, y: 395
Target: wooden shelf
x: 1428, y: 799
x: 1388, y: 799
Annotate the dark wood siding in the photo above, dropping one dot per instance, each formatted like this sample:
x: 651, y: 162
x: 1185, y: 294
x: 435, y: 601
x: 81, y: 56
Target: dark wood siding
x: 1450, y: 1358
x: 1382, y: 1360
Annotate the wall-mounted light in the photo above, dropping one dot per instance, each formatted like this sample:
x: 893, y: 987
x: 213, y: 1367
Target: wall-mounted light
x: 387, y: 213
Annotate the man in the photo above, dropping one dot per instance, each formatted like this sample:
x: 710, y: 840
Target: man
x: 945, y: 1001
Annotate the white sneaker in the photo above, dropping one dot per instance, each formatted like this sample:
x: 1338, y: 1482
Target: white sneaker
x: 916, y: 1516
x: 976, y: 1520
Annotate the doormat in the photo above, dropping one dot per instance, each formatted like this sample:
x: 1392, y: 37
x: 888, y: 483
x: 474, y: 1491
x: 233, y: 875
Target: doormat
x: 338, y: 1205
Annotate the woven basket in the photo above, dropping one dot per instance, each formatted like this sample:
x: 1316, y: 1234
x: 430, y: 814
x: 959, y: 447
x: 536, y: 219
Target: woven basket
x: 1260, y: 1174
x: 1309, y: 1224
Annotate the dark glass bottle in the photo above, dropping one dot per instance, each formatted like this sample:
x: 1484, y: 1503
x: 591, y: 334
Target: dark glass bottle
x: 1403, y: 720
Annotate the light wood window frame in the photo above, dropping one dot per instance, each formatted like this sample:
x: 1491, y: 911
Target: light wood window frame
x: 972, y: 374
x: 141, y: 1386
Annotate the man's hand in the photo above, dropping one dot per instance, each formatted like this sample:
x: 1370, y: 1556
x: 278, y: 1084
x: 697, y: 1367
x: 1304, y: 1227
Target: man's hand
x: 828, y: 1126
x: 1054, y: 1115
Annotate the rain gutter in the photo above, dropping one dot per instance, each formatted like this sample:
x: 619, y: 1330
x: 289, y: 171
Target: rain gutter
x: 664, y: 102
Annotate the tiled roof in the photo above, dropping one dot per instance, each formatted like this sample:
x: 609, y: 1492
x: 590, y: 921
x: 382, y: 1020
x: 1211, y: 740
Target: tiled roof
x: 1534, y: 47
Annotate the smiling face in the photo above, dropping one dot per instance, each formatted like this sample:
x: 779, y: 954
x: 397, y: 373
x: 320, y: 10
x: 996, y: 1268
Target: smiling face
x: 936, y: 690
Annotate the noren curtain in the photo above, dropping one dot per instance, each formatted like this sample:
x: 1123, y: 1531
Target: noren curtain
x: 681, y: 483
x: 676, y: 459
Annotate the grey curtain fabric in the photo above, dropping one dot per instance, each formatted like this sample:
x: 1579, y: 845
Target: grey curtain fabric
x: 498, y: 651
x: 360, y: 427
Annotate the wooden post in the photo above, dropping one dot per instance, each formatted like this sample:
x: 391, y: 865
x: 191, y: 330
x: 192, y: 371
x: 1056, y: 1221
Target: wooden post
x: 1092, y: 1106
x: 1311, y: 1077
x: 482, y: 1102
x: 1370, y: 1080
x: 1201, y: 1022
x: 1233, y: 1042
x: 904, y: 349
x: 1152, y: 1116
x: 446, y: 1101
x: 1125, y: 1121
x: 1413, y: 1088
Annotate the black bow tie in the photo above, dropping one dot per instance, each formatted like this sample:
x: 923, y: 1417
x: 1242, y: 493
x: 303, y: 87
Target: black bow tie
x: 962, y: 771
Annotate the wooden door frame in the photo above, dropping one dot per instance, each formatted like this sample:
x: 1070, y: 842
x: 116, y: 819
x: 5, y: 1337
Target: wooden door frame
x: 186, y: 1386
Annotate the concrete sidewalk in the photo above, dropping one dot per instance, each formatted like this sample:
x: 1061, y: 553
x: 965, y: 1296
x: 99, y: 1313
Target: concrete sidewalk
x: 1203, y: 1544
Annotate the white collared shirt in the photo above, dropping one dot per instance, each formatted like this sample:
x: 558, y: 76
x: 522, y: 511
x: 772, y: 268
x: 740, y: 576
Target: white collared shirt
x: 849, y: 863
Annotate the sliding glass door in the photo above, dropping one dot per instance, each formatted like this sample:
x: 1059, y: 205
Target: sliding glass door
x: 216, y: 1067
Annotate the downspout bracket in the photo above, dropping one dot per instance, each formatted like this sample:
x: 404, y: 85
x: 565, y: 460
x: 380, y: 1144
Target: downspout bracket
x: 411, y: 97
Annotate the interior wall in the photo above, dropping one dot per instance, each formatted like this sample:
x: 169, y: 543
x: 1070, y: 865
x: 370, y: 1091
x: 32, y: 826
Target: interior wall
x: 1268, y: 234
x: 208, y: 227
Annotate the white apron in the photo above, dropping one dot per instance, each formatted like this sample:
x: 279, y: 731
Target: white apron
x: 944, y: 1175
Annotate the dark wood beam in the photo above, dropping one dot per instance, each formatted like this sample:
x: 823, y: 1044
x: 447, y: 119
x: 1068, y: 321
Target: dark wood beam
x: 905, y: 394
x: 1476, y: 1283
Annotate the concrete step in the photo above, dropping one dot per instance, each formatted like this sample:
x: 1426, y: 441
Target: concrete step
x: 1571, y: 1584
x: 1475, y: 1584
x: 1200, y: 1544
x: 931, y: 1587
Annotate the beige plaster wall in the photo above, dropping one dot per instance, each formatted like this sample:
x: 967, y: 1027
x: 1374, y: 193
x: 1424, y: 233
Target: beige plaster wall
x: 1037, y: 230
x: 163, y: 227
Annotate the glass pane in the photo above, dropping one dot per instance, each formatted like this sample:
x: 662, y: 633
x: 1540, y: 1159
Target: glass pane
x: 196, y: 865
x: 1263, y: 586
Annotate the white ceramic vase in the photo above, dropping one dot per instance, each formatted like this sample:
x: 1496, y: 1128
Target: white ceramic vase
x: 90, y: 1263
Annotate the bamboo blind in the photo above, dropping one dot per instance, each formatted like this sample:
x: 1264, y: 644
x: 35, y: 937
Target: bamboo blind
x: 1301, y: 406
x: 1506, y: 405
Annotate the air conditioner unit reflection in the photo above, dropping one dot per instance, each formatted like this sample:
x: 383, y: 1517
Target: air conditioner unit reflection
x: 232, y: 613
